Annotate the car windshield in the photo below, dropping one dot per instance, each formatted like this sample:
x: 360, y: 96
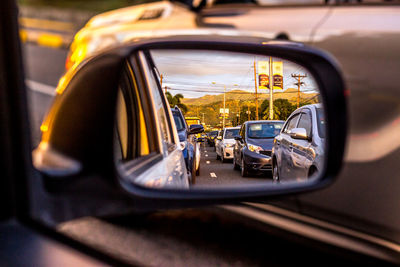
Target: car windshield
x: 264, y: 130
x: 231, y: 133
x: 321, y: 122
x: 180, y: 125
x: 214, y: 133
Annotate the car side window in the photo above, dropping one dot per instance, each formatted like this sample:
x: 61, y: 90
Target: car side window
x: 305, y: 121
x: 291, y: 123
x: 131, y: 137
x: 160, y: 108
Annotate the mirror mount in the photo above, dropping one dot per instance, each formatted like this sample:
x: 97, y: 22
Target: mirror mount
x: 195, y: 129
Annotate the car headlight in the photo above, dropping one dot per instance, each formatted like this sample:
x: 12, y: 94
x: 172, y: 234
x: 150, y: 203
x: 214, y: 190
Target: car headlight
x: 254, y: 148
x: 228, y: 145
x: 183, y: 145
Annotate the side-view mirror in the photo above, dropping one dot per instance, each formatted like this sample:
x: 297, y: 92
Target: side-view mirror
x: 109, y: 134
x: 299, y: 133
x: 195, y: 129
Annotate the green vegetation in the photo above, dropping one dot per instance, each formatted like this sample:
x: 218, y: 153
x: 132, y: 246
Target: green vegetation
x: 282, y: 109
x: 176, y: 101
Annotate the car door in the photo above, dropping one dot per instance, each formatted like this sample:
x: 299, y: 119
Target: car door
x: 300, y: 156
x: 286, y: 148
x: 350, y: 33
x: 242, y: 142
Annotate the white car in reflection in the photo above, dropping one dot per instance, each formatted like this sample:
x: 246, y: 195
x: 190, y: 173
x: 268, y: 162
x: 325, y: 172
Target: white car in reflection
x: 298, y: 151
x: 226, y: 142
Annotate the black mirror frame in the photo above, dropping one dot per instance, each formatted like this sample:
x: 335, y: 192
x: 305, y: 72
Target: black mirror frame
x: 322, y: 66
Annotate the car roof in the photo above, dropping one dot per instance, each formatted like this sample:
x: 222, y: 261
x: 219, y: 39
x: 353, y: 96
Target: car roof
x: 263, y: 121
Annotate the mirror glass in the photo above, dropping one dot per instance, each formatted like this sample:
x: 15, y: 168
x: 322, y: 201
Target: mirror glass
x: 218, y: 119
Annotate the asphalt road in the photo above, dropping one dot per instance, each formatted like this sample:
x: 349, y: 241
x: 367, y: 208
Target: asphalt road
x: 214, y: 173
x: 43, y: 67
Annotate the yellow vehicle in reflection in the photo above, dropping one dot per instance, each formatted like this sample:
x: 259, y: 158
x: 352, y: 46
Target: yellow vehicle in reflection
x: 193, y: 120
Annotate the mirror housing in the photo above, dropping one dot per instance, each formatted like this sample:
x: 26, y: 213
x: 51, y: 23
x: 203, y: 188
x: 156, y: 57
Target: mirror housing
x: 299, y: 133
x: 84, y: 110
x: 195, y: 129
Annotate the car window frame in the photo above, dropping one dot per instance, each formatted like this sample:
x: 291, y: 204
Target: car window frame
x: 149, y: 73
x: 156, y: 75
x: 284, y: 130
x: 307, y: 111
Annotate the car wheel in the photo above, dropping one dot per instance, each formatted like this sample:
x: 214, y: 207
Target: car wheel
x: 275, y: 172
x: 198, y: 171
x: 244, y: 170
x: 235, y: 165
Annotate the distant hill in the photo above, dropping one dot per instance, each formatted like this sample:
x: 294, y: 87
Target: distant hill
x: 289, y: 94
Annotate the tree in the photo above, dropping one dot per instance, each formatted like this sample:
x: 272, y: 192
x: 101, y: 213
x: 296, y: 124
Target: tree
x: 176, y: 101
x: 282, y: 109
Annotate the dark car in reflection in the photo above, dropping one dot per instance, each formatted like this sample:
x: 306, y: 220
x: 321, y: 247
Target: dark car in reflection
x: 188, y: 144
x: 211, y: 137
x: 298, y: 151
x: 252, y: 151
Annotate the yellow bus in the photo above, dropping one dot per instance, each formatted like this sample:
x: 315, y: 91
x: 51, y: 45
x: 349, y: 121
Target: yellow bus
x: 193, y: 120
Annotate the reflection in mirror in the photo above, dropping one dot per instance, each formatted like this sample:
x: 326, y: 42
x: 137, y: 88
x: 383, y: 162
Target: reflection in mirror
x: 262, y: 117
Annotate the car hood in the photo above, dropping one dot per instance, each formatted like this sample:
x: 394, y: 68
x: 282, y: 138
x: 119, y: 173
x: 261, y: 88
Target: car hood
x: 229, y: 141
x: 266, y: 143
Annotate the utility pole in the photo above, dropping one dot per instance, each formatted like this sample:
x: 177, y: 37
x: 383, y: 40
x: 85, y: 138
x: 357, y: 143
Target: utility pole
x: 271, y: 89
x: 248, y: 112
x: 203, y: 118
x: 255, y: 85
x: 299, y: 83
x: 223, y: 113
x: 239, y: 115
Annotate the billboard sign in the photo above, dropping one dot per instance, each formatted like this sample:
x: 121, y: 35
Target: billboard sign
x: 277, y: 70
x: 263, y: 75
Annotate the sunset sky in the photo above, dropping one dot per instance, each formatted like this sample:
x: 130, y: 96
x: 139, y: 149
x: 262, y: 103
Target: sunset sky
x: 195, y: 73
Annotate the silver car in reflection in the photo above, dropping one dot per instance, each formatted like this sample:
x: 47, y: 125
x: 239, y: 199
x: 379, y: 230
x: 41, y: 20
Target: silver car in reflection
x: 298, y: 151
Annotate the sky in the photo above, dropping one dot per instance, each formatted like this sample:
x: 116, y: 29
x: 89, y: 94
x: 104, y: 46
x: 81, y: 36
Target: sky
x: 195, y: 73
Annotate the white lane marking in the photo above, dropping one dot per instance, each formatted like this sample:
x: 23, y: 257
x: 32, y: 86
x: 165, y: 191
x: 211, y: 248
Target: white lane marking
x: 213, y: 175
x: 208, y: 162
x: 41, y: 87
x: 205, y: 151
x: 206, y: 155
